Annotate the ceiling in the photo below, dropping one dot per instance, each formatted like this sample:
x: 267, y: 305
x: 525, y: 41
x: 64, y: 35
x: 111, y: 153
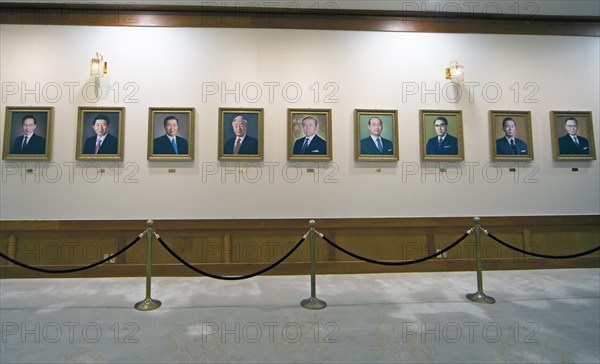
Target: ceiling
x: 506, y: 7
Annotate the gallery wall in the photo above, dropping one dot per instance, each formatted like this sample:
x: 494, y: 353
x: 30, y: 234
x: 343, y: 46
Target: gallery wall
x: 43, y: 65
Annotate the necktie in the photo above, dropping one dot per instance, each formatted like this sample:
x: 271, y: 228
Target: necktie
x: 513, y: 146
x: 440, y: 141
x: 238, y: 144
x: 379, y: 145
x: 305, y: 145
x: 97, y: 146
x: 25, y: 141
x: 576, y: 141
x: 174, y: 146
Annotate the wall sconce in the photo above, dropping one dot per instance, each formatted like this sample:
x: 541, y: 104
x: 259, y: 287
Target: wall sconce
x: 455, y: 72
x: 99, y: 66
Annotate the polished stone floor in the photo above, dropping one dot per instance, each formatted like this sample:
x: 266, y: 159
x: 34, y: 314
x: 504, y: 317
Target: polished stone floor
x: 540, y: 316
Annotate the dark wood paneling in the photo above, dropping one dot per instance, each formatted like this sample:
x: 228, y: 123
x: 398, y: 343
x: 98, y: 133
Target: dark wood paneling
x: 290, y: 18
x: 231, y: 247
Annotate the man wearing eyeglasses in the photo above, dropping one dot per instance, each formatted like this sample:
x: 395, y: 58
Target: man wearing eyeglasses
x: 571, y: 143
x: 443, y: 143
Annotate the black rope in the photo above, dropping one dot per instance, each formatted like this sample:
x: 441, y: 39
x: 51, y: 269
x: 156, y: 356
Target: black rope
x: 229, y: 278
x: 368, y: 260
x: 72, y: 270
x: 543, y: 255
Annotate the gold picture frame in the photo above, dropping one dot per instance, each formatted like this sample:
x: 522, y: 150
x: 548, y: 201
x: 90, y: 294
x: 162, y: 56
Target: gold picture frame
x: 451, y: 147
x: 28, y: 133
x: 566, y: 124
x: 315, y: 122
x: 245, y: 124
x: 91, y: 123
x: 511, y: 137
x: 377, y: 141
x: 171, y: 134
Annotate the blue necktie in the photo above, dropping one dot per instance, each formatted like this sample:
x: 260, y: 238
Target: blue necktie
x: 304, y: 146
x: 379, y: 145
x: 174, y: 146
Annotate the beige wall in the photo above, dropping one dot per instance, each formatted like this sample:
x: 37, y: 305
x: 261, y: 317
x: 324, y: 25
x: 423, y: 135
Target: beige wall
x: 162, y: 67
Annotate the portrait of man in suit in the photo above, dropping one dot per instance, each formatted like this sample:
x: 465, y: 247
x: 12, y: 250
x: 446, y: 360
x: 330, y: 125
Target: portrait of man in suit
x: 309, y: 134
x: 241, y: 134
x: 572, y: 143
x: 511, y: 135
x: 443, y: 143
x: 170, y: 142
x: 29, y: 142
x: 103, y: 142
x: 28, y: 133
x: 510, y: 144
x: 242, y: 143
x: 311, y: 143
x: 375, y: 144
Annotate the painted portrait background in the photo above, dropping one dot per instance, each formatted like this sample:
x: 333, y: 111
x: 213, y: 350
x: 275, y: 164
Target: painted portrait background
x: 17, y: 125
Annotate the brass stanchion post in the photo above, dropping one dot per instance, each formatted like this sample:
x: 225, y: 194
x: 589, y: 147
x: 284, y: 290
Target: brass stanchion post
x: 313, y: 303
x: 148, y: 303
x: 479, y: 296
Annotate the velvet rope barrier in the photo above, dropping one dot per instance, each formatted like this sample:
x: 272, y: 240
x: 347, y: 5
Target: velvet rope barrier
x: 229, y: 278
x: 72, y: 270
x: 407, y: 262
x: 576, y: 255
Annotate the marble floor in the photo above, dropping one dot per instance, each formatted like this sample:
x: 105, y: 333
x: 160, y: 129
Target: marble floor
x: 540, y: 316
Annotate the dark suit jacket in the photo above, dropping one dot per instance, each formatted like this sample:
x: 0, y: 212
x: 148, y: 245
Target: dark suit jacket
x: 35, y: 145
x: 504, y: 148
x: 368, y: 146
x: 249, y: 146
x: 317, y: 146
x: 448, y: 147
x: 109, y: 146
x: 566, y: 145
x: 162, y: 145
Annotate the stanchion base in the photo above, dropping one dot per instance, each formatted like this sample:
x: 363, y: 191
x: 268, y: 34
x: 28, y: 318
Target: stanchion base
x: 480, y: 297
x: 313, y: 303
x: 148, y: 304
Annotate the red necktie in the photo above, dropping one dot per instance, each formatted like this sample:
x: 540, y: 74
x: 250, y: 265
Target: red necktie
x: 97, y: 146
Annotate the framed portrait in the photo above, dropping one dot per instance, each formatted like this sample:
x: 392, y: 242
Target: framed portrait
x: 441, y: 135
x: 309, y: 134
x: 100, y: 133
x: 376, y: 135
x: 572, y: 135
x: 171, y: 134
x: 510, y: 135
x: 241, y: 134
x: 28, y: 133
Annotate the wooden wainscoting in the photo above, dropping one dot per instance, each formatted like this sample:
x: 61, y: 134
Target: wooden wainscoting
x: 232, y: 247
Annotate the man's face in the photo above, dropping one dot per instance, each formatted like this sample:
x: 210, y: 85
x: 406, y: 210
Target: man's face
x: 440, y: 127
x: 571, y: 127
x: 239, y: 127
x: 375, y: 127
x: 309, y: 127
x: 101, y: 127
x: 28, y: 126
x: 171, y: 127
x: 510, y: 128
